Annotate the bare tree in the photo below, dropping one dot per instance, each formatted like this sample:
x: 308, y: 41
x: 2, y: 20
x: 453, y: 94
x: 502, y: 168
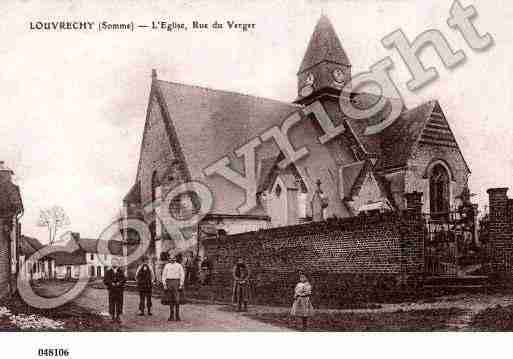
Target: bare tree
x: 53, y: 218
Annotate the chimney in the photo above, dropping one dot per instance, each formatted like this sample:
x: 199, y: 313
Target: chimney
x: 414, y: 202
x: 498, y: 202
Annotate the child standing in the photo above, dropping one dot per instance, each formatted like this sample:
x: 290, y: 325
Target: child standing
x: 302, y: 306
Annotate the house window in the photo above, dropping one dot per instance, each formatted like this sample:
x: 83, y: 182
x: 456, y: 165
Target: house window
x: 98, y: 271
x: 439, y: 198
x: 91, y: 271
x: 92, y: 257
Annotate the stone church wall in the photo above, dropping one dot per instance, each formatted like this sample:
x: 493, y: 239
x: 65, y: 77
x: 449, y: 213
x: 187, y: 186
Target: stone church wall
x: 352, y: 259
x: 425, y: 155
x: 156, y: 154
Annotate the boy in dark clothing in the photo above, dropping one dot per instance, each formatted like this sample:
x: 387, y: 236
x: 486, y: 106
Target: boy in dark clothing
x: 115, y: 281
x: 144, y: 277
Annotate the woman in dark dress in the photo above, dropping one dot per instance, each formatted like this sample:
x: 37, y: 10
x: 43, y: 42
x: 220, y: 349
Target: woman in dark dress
x: 241, y: 285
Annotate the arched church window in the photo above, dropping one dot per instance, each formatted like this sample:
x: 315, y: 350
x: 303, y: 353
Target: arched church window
x: 439, y: 192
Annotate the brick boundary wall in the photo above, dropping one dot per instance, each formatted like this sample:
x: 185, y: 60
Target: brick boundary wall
x: 500, y: 234
x: 359, y: 259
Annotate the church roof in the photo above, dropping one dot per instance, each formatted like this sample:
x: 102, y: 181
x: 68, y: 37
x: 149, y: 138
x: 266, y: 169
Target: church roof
x: 350, y: 174
x: 324, y: 45
x: 211, y: 124
x: 371, y: 144
x: 400, y: 138
x: 134, y: 195
x: 266, y: 166
x: 394, y: 145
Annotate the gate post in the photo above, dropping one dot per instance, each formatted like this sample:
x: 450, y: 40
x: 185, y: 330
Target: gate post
x: 500, y: 231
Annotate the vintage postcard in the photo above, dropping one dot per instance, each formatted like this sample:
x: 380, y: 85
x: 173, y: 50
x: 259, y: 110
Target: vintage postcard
x: 256, y: 166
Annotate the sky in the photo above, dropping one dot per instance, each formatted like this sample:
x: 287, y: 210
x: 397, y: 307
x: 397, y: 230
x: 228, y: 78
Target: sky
x: 74, y: 103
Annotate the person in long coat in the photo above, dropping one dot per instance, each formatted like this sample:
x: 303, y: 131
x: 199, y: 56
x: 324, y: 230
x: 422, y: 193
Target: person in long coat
x: 241, y: 287
x: 115, y: 281
x: 144, y: 278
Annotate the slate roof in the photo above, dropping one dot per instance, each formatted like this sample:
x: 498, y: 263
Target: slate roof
x: 266, y: 166
x: 290, y: 175
x: 400, y: 138
x: 211, y: 124
x: 29, y: 245
x: 394, y: 145
x: 324, y: 45
x: 350, y: 174
x: 89, y: 245
x: 75, y: 258
x: 134, y: 195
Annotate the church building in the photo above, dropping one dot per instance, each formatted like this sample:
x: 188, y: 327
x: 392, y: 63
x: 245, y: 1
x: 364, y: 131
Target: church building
x: 188, y: 128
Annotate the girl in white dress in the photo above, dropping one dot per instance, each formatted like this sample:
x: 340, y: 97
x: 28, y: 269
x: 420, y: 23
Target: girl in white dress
x: 302, y: 306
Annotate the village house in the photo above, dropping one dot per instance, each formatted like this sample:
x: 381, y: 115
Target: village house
x: 190, y: 127
x: 70, y: 265
x: 43, y: 268
x: 92, y: 258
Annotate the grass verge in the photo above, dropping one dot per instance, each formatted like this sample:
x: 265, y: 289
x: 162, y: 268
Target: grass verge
x: 496, y: 318
x: 412, y: 320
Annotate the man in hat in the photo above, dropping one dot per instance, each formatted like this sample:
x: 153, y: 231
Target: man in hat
x: 144, y: 278
x: 115, y: 281
x: 173, y: 278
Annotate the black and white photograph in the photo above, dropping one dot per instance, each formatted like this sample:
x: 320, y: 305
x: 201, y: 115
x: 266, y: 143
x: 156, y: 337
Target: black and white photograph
x: 255, y: 166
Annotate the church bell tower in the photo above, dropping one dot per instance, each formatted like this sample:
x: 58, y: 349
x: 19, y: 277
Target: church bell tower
x: 325, y: 68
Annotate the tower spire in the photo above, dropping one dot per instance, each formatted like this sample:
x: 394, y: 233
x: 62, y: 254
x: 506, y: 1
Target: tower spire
x: 324, y: 45
x: 325, y: 64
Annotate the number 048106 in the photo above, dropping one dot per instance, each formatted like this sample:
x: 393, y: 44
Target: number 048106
x: 53, y: 352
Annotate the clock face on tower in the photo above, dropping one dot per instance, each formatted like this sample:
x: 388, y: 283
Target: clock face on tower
x: 307, y: 89
x: 309, y: 79
x: 338, y: 75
